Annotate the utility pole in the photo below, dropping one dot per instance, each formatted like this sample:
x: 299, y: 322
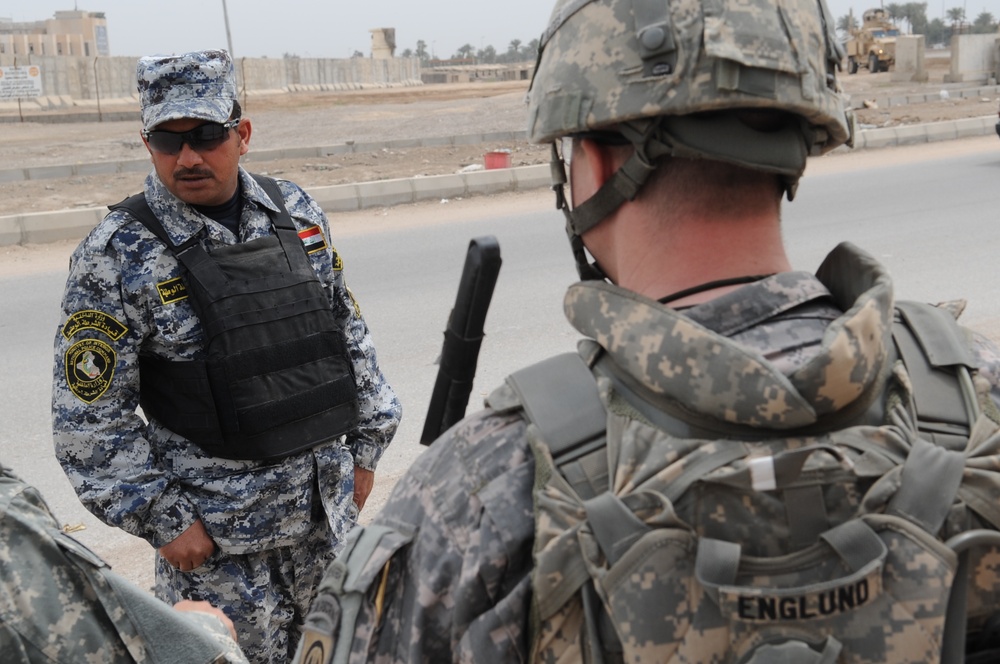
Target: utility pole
x: 229, y: 43
x: 229, y: 36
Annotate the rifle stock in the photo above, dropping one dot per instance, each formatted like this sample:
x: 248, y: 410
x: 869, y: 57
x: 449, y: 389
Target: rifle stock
x: 463, y: 337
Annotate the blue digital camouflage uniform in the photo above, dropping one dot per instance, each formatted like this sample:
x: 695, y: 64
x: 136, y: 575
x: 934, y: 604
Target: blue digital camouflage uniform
x: 122, y: 298
x: 59, y: 602
x: 451, y: 581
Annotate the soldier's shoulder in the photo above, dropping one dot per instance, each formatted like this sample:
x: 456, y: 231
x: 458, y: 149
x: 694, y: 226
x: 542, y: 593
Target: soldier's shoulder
x: 116, y: 226
x: 484, y: 455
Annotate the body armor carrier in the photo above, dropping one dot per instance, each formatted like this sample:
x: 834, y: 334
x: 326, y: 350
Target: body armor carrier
x: 276, y: 378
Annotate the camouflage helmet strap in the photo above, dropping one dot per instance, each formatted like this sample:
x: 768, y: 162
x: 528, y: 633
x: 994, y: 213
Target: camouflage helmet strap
x: 625, y: 183
x: 623, y: 186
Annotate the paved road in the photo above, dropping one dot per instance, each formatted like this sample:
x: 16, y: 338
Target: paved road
x: 928, y: 212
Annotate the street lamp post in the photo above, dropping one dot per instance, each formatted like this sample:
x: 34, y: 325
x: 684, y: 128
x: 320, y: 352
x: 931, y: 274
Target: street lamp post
x: 229, y: 37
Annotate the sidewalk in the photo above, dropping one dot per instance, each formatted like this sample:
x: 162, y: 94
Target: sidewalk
x: 39, y: 227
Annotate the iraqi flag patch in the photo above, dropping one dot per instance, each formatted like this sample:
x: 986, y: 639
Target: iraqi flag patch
x: 312, y: 239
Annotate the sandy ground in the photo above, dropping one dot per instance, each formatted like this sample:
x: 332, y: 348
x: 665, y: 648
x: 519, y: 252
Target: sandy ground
x: 320, y: 119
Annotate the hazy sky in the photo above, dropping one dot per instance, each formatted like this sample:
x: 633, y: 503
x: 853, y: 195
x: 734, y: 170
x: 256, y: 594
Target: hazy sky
x: 338, y: 28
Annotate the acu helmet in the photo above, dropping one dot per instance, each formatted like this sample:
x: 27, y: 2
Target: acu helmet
x: 676, y: 78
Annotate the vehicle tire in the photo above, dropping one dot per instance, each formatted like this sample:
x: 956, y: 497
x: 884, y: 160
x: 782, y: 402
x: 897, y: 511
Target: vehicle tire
x: 873, y: 63
x: 852, y: 65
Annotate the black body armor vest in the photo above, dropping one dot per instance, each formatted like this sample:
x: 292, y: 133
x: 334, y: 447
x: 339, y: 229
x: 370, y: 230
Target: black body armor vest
x: 277, y: 377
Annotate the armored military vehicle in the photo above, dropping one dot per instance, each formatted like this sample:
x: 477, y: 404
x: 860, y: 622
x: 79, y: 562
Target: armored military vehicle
x: 873, y: 45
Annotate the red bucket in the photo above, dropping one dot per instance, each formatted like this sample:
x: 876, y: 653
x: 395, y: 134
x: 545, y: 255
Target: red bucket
x: 497, y: 159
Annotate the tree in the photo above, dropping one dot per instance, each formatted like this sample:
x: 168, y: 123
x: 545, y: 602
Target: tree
x: 936, y: 32
x: 895, y: 11
x: 421, y: 51
x: 465, y: 51
x: 845, y: 24
x: 915, y: 14
x: 984, y: 23
x: 530, y: 50
x: 487, y: 55
x: 514, y: 47
x: 957, y: 17
x: 407, y: 53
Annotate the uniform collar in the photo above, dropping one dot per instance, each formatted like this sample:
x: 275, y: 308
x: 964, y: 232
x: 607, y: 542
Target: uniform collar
x: 182, y: 221
x: 680, y: 360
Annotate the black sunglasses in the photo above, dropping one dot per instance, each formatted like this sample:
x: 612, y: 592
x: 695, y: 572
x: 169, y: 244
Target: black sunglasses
x: 202, y: 138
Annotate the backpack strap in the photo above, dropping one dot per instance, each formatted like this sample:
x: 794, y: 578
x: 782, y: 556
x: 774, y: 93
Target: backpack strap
x: 939, y: 362
x: 560, y: 397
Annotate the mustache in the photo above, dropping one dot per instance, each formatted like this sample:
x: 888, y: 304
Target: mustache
x: 181, y: 173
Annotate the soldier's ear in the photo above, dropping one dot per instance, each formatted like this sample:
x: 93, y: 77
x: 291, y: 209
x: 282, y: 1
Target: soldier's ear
x: 602, y: 159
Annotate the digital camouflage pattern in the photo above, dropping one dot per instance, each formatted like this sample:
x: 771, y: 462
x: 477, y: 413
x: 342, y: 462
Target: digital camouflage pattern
x: 460, y: 564
x: 124, y: 296
x: 200, y: 85
x: 602, y: 63
x: 269, y: 590
x: 59, y: 602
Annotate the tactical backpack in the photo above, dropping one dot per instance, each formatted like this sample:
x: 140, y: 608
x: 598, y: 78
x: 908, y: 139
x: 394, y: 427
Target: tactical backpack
x: 277, y: 377
x: 656, y: 541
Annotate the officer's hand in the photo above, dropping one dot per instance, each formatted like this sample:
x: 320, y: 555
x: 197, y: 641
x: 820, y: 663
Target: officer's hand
x: 190, y: 549
x: 205, y: 607
x: 364, y: 480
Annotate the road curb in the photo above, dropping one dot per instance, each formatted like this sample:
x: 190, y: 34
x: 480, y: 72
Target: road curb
x: 38, y: 227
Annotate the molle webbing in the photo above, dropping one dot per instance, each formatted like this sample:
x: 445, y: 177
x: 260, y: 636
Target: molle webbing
x: 562, y: 403
x: 938, y: 360
x: 278, y: 377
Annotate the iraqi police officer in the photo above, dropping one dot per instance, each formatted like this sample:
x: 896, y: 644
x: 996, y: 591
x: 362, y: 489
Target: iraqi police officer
x: 216, y: 301
x: 680, y: 126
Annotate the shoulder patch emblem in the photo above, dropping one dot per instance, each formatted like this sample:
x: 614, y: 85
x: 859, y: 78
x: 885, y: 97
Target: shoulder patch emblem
x: 90, y: 366
x: 354, y: 301
x: 172, y: 290
x: 312, y: 239
x: 338, y: 264
x: 94, y: 320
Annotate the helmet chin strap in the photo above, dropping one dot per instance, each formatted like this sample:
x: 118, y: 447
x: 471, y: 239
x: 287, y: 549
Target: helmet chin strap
x: 623, y: 186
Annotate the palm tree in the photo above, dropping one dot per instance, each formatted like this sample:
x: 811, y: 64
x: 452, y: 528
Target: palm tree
x: 846, y: 23
x: 957, y: 17
x: 984, y: 23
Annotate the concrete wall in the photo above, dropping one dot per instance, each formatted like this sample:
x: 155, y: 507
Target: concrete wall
x: 76, y: 78
x: 909, y: 59
x: 973, y: 58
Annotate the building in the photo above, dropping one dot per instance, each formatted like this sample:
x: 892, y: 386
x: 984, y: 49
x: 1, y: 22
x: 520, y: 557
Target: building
x: 70, y: 33
x: 383, y: 43
x: 464, y: 70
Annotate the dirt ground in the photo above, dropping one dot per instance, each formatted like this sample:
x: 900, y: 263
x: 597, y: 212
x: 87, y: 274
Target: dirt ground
x: 331, y: 118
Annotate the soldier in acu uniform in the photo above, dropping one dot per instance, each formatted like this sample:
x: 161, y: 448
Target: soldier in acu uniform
x: 680, y: 125
x: 217, y: 301
x: 59, y: 602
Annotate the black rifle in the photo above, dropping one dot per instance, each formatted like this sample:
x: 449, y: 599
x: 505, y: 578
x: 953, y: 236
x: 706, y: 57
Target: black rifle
x: 463, y: 338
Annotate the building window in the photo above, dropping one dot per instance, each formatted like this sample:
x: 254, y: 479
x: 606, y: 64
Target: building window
x: 86, y: 49
x: 31, y: 49
x: 59, y: 49
x: 3, y: 48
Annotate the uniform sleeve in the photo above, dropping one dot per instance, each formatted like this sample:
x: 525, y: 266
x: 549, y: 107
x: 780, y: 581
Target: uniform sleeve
x: 380, y: 410
x: 99, y: 437
x: 445, y: 563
